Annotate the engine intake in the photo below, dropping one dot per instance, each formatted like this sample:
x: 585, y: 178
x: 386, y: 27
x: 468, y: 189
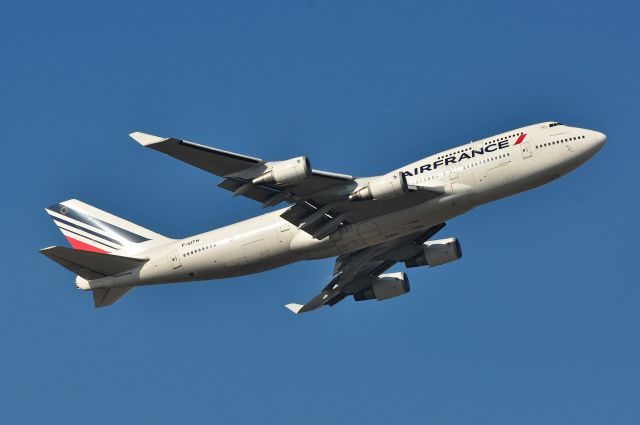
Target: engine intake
x: 384, y: 187
x: 386, y: 286
x: 435, y: 253
x: 285, y: 173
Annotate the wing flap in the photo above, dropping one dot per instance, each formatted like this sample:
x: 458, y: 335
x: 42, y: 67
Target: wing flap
x: 258, y: 193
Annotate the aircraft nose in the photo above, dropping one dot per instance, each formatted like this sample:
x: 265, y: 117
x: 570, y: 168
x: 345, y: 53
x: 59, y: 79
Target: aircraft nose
x: 599, y: 140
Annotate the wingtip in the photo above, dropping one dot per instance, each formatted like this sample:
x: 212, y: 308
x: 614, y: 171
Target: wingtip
x: 295, y: 308
x: 146, y: 139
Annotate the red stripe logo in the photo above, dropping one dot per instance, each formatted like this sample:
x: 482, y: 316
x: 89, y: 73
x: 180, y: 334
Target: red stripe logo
x: 520, y: 139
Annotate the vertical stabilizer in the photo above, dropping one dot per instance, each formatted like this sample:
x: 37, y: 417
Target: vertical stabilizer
x: 91, y: 229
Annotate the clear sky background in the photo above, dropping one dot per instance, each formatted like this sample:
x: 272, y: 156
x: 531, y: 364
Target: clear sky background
x: 537, y: 324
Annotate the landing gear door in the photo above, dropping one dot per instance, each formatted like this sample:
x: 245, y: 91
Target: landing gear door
x: 174, y: 259
x: 526, y: 150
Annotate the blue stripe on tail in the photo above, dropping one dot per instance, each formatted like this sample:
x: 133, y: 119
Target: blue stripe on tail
x: 97, y: 223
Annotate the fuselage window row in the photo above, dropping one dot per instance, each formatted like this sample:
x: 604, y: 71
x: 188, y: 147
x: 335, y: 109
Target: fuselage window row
x: 466, y: 167
x: 557, y: 142
x: 195, y: 251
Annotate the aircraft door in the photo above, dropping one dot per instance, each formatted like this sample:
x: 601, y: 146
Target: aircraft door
x: 526, y: 150
x: 174, y: 259
x: 453, y: 173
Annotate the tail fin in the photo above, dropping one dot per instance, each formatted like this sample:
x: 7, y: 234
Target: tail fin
x: 91, y: 229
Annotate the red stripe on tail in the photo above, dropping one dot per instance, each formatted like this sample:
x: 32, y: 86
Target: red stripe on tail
x: 76, y: 244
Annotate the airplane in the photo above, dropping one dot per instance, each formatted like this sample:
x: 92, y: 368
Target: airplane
x: 368, y: 223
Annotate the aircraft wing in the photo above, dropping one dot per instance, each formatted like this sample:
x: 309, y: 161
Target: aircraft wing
x: 319, y: 200
x: 237, y: 170
x: 357, y: 271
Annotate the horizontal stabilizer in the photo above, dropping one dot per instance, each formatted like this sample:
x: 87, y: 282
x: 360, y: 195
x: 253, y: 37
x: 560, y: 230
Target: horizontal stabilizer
x: 92, y: 265
x: 91, y: 229
x: 107, y: 296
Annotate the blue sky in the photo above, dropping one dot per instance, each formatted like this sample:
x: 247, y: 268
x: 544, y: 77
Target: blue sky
x: 538, y: 323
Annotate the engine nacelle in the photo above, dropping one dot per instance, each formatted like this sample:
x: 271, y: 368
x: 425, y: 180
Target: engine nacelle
x: 386, y: 286
x: 435, y: 253
x: 285, y: 173
x: 384, y: 187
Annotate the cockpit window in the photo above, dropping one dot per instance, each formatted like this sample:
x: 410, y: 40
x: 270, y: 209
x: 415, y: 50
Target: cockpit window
x: 553, y: 124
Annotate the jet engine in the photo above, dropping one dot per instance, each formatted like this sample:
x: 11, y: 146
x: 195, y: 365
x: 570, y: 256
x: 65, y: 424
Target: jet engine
x: 435, y: 253
x: 285, y: 173
x: 386, y: 286
x: 383, y: 187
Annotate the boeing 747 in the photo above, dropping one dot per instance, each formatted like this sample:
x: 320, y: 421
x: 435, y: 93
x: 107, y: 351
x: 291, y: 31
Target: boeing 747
x: 368, y: 223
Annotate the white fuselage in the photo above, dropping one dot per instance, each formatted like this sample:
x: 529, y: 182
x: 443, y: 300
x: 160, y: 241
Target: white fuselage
x: 472, y: 174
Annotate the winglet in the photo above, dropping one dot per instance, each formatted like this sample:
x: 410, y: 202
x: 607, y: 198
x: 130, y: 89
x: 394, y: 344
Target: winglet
x: 294, y: 307
x: 146, y: 139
